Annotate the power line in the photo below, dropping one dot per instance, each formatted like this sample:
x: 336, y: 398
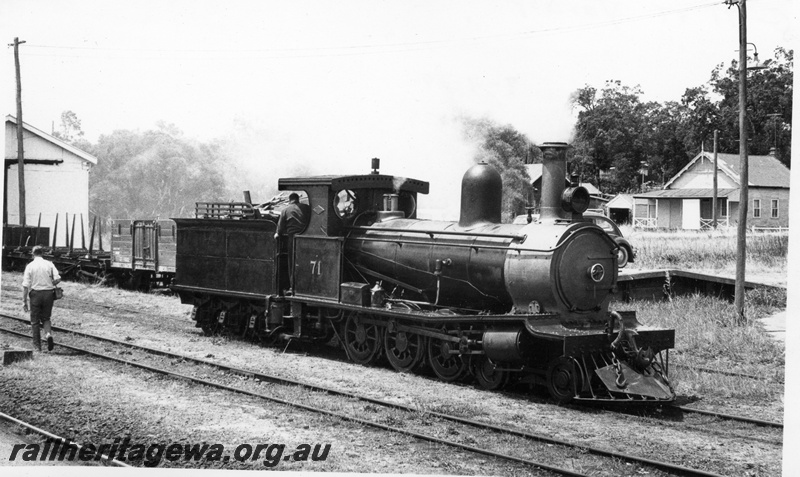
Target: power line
x: 360, y: 49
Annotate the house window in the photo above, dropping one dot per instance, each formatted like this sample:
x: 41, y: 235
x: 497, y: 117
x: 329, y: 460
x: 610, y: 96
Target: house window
x: 774, y: 212
x: 723, y: 208
x: 756, y: 208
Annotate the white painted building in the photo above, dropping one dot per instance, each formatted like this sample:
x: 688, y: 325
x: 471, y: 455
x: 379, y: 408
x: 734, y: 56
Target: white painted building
x: 56, y: 182
x: 686, y: 200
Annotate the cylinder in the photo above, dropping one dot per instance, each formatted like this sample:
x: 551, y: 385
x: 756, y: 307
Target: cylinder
x: 481, y: 196
x: 554, y: 175
x: 507, y: 346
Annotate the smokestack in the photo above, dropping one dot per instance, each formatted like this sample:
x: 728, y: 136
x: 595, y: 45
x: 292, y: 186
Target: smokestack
x: 554, y: 174
x: 481, y: 195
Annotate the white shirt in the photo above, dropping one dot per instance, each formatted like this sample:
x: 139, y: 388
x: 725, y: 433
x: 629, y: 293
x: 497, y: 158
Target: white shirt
x: 40, y: 275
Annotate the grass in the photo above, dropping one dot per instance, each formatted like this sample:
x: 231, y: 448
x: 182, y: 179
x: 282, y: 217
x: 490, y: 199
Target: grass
x: 707, y: 331
x: 707, y: 334
x: 708, y: 250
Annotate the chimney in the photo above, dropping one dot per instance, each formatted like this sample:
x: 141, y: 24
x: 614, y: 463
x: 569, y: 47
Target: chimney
x: 554, y: 174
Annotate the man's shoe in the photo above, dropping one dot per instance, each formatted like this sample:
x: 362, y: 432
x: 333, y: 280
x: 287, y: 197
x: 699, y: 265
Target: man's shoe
x: 49, y: 342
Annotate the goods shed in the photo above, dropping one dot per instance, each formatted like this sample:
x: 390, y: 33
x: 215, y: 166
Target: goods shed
x: 56, y: 182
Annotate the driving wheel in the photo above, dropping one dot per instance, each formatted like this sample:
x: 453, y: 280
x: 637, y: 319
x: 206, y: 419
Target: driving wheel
x: 446, y: 366
x: 362, y: 340
x: 404, y: 350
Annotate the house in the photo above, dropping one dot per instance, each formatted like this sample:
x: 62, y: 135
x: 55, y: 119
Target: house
x: 620, y: 209
x: 597, y: 200
x: 56, y: 182
x: 686, y: 200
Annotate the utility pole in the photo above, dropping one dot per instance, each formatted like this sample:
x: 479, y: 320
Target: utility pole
x: 20, y: 148
x: 741, y: 231
x: 714, y: 200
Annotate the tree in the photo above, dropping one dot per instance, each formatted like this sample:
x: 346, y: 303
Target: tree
x: 615, y: 132
x: 507, y: 150
x: 154, y: 174
x: 769, y: 93
x: 70, y: 128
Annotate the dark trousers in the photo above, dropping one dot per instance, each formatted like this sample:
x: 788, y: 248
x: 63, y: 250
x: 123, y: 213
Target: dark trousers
x: 41, y: 309
x: 290, y: 249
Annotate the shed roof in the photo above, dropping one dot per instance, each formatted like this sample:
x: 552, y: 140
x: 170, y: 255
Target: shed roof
x: 763, y: 171
x: 534, y: 171
x: 58, y: 142
x: 621, y: 201
x: 687, y: 193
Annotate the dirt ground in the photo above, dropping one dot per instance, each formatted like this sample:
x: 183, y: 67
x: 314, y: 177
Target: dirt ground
x: 94, y: 401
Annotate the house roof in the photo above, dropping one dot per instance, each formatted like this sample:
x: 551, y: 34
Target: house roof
x: 763, y: 171
x: 534, y: 171
x: 621, y: 201
x: 687, y: 193
x: 58, y: 142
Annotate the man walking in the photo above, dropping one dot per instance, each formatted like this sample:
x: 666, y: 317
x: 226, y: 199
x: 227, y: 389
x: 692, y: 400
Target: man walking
x: 39, y: 282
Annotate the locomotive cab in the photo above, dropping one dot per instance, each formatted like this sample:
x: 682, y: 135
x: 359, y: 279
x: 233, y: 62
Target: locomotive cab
x: 338, y: 203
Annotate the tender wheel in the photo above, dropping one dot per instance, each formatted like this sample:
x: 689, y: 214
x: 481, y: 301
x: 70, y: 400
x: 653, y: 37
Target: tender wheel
x: 362, y: 340
x: 404, y: 350
x: 622, y: 257
x: 489, y: 376
x: 446, y: 366
x: 563, y: 380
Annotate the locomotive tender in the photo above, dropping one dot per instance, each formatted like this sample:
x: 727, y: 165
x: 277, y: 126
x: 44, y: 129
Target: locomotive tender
x: 502, y: 302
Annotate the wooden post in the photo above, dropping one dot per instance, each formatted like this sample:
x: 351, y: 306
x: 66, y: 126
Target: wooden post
x: 20, y: 148
x: 83, y: 235
x: 91, y: 239
x: 741, y: 232
x: 55, y: 232
x: 714, y: 200
x: 72, y: 239
x: 66, y: 228
x: 38, y: 226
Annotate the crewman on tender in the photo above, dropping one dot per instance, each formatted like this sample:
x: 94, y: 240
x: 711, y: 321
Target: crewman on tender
x: 293, y: 221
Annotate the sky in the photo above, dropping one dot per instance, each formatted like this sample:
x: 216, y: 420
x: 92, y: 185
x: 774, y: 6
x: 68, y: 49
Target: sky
x: 329, y: 85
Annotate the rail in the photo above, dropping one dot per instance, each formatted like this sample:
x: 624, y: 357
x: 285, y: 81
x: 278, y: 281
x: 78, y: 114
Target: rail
x: 645, y: 223
x: 431, y: 233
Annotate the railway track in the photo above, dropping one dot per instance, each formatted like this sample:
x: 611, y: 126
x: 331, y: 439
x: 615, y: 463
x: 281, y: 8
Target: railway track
x: 669, y: 467
x: 700, y: 369
x: 104, y: 459
x: 681, y: 408
x: 70, y: 299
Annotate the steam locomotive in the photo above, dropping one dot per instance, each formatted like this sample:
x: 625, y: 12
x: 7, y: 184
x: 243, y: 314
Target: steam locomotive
x: 501, y: 302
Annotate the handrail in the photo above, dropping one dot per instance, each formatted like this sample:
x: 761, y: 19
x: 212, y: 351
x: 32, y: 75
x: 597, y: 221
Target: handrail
x: 224, y: 210
x: 431, y: 233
